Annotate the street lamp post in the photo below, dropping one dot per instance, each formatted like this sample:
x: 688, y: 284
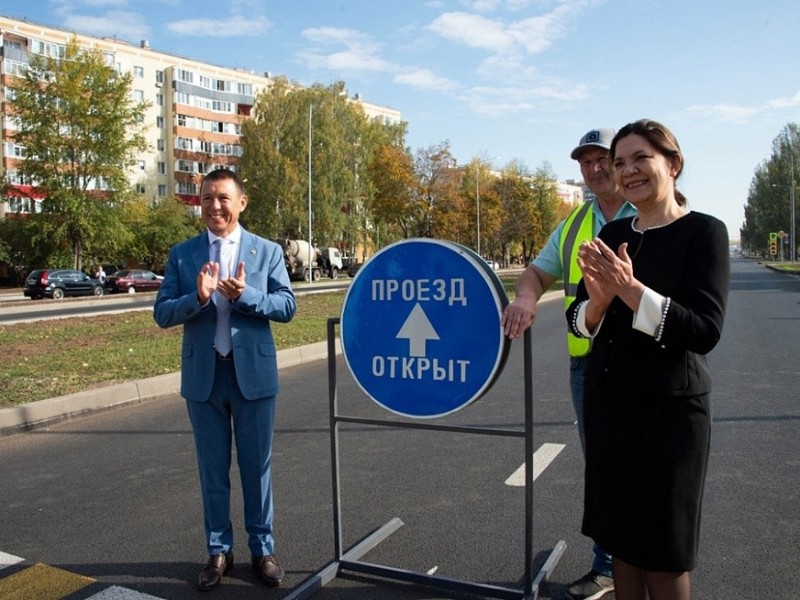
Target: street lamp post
x: 792, y: 240
x: 310, y: 250
x: 478, y: 206
x: 478, y: 198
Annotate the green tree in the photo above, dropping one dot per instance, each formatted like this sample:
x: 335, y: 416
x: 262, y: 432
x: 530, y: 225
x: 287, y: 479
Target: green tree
x: 546, y: 204
x: 276, y: 156
x: 517, y: 202
x: 391, y: 172
x: 81, y: 132
x: 164, y: 225
x: 436, y: 200
x: 768, y: 201
x: 478, y: 188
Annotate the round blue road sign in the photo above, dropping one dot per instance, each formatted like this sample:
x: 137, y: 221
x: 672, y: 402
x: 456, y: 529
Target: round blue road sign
x: 420, y: 327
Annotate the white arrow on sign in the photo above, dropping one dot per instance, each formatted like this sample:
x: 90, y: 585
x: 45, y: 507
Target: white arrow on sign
x: 417, y: 330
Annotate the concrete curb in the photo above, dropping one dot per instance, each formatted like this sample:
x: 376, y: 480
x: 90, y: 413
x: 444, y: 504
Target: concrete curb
x: 42, y: 413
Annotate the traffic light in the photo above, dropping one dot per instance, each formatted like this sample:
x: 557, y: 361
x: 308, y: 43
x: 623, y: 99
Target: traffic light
x: 773, y: 247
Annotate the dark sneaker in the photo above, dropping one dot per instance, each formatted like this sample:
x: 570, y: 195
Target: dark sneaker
x: 590, y: 587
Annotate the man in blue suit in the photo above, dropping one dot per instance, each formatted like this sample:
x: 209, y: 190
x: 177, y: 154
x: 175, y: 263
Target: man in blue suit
x: 225, y: 286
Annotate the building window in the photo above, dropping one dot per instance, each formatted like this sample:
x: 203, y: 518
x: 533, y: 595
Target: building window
x: 160, y: 77
x: 138, y: 71
x: 162, y: 168
x: 184, y: 75
x: 160, y: 122
x: 140, y: 188
x: 162, y: 190
x: 14, y: 150
x: 13, y: 176
x: 141, y: 165
x: 138, y: 95
x: 160, y: 99
x: 185, y: 187
x: 161, y: 144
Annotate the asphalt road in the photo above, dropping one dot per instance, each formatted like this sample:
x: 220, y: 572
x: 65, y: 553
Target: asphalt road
x: 15, y: 308
x: 113, y: 497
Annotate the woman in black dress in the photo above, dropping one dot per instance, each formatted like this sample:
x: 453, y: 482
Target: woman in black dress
x: 652, y: 299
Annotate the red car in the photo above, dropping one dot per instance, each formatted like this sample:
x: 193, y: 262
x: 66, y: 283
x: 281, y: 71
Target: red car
x: 131, y: 281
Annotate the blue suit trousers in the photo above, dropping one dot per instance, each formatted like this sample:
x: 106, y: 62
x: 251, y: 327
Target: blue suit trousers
x: 224, y: 417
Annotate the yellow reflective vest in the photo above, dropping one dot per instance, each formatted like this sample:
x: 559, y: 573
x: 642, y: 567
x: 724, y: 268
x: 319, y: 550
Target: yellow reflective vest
x: 577, y: 229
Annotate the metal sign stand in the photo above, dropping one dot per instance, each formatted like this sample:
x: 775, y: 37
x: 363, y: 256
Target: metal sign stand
x: 350, y: 560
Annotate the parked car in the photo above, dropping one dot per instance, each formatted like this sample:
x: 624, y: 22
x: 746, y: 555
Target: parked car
x: 130, y: 281
x: 353, y: 268
x: 57, y: 283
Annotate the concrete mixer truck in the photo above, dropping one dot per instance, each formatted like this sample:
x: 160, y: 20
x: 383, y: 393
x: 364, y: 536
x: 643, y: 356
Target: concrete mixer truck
x: 324, y: 261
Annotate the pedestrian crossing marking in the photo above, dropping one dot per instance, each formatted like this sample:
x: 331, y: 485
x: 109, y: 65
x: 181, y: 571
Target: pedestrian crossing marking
x: 116, y: 592
x: 541, y: 460
x: 6, y: 560
x: 41, y: 582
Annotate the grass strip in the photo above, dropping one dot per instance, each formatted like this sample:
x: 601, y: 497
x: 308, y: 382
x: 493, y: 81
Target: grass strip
x: 52, y: 358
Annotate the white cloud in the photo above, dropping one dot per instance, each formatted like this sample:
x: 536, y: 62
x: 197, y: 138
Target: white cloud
x: 474, y: 31
x: 484, y: 6
x: 501, y: 101
x: 722, y: 112
x: 361, y: 51
x: 425, y: 79
x: 785, y: 102
x: 532, y: 35
x: 234, y: 26
x: 79, y: 4
x: 124, y: 25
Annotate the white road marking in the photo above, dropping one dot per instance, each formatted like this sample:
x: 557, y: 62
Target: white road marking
x: 116, y: 592
x: 6, y: 560
x: 541, y: 460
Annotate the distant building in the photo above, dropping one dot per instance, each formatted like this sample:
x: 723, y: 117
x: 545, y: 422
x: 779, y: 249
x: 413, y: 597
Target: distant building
x: 194, y: 121
x: 572, y: 192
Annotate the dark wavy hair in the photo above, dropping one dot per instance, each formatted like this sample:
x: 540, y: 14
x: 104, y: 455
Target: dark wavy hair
x: 661, y: 138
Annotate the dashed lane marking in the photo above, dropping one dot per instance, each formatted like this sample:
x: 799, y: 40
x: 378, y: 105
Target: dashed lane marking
x: 541, y: 460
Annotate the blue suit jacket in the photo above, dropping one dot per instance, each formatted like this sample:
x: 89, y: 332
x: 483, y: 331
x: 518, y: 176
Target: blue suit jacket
x: 268, y: 296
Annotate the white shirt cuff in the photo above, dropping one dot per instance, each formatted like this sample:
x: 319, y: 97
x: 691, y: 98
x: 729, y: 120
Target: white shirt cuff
x: 651, y: 312
x: 580, y: 322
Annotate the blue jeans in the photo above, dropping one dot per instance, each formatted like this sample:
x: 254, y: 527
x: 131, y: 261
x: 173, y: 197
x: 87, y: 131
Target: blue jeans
x: 602, y: 559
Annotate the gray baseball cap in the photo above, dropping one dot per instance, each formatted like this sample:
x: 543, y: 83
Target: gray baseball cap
x: 598, y: 138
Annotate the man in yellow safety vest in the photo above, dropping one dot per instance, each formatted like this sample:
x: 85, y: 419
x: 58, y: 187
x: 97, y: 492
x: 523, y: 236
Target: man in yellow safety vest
x: 559, y: 259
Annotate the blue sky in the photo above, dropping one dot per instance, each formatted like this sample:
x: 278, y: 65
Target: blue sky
x: 509, y: 79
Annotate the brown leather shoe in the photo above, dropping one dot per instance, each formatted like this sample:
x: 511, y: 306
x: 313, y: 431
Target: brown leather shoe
x: 268, y: 570
x: 217, y: 566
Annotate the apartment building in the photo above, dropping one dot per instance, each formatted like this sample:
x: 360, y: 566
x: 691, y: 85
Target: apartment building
x: 193, y: 123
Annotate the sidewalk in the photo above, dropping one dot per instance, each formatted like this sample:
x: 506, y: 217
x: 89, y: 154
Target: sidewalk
x: 42, y: 413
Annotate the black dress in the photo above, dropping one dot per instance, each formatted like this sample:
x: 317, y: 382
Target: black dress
x: 646, y: 405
